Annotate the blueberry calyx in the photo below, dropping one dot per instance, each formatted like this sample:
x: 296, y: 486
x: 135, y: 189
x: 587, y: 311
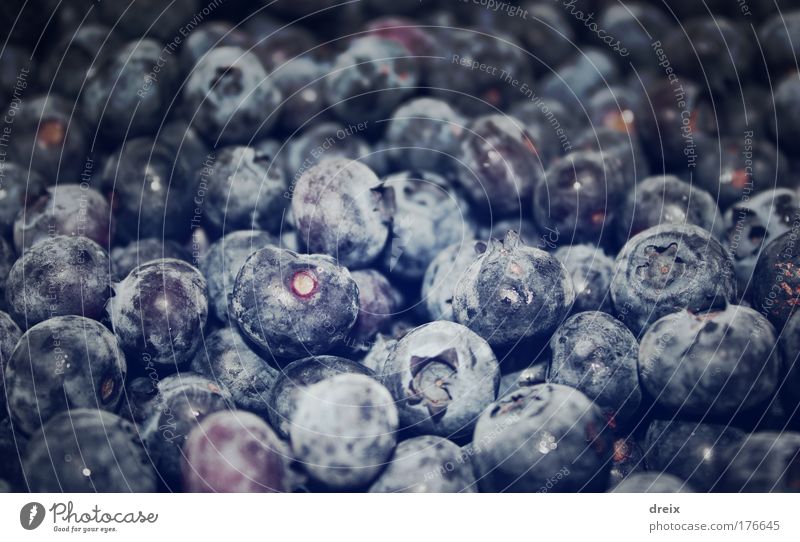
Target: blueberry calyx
x: 431, y: 378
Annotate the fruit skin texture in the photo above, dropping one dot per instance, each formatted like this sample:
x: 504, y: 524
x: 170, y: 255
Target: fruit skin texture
x: 765, y: 463
x: 56, y: 277
x: 370, y: 79
x: 378, y: 302
x: 666, y: 199
x: 233, y: 452
x: 426, y: 464
x: 591, y: 271
x: 776, y: 279
x: 427, y: 218
x: 225, y: 358
x: 126, y: 259
x: 293, y: 381
x: 280, y: 316
x: 578, y: 197
x: 245, y: 191
x: 689, y: 450
x: 513, y: 292
x: 21, y: 186
x: 425, y: 133
x: 338, y: 212
x: 714, y: 364
x: 652, y: 482
x: 231, y: 97
x: 224, y: 260
x: 531, y: 434
x: 595, y: 353
x: 159, y: 311
x: 789, y: 343
x: 442, y: 376
x: 668, y: 268
x: 753, y: 224
x: 178, y: 406
x: 64, y: 362
x: 88, y: 451
x: 499, y: 165
x: 65, y: 209
x: 343, y: 431
x: 443, y: 274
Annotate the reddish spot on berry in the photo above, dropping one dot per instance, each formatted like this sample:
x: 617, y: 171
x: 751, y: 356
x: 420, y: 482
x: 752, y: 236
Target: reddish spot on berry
x: 51, y: 133
x: 304, y: 284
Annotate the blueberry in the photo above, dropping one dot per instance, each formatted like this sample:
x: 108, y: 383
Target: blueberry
x: 159, y: 311
x: 542, y: 438
x: 7, y: 259
x: 58, y: 276
x: 378, y: 355
x: 227, y: 359
x: 580, y: 76
x: 752, y: 225
x: 711, y: 49
x: 339, y: 211
x: 443, y: 274
x: 378, y: 303
x: 546, y: 32
x: 343, y: 431
x: 622, y: 154
x: 85, y: 450
x: 9, y: 337
x: 77, y: 56
x: 455, y: 76
x: 776, y: 279
x: 594, y: 353
x: 691, y: 451
x: 666, y: 139
x: 180, y: 404
x: 370, y: 78
x: 407, y: 32
x: 789, y: 344
x: 426, y: 464
x: 290, y: 305
x: 20, y: 187
x: 636, y: 27
x: 418, y: 233
x: 575, y: 198
x: 151, y: 191
x: 665, y: 199
x: 12, y: 448
x: 223, y: 261
x: 50, y: 136
x: 245, y: 191
x: 322, y: 141
x: 668, y: 268
x: 615, y: 108
x: 294, y: 379
x: 126, y: 96
x: 16, y: 60
x: 787, y: 109
x: 591, y: 271
x: 62, y: 363
x: 765, y: 463
x: 777, y: 36
x: 233, y: 452
x: 513, y: 292
x: 301, y: 82
x: 734, y: 169
x: 149, y: 17
x: 652, y: 482
x: 627, y: 461
x: 211, y: 35
x: 711, y: 364
x: 425, y: 133
x: 499, y: 164
x: 275, y: 42
x: 442, y: 376
x: 65, y: 209
x: 230, y: 96
x: 127, y: 258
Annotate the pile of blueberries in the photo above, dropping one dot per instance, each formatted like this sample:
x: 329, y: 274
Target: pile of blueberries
x: 404, y: 245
